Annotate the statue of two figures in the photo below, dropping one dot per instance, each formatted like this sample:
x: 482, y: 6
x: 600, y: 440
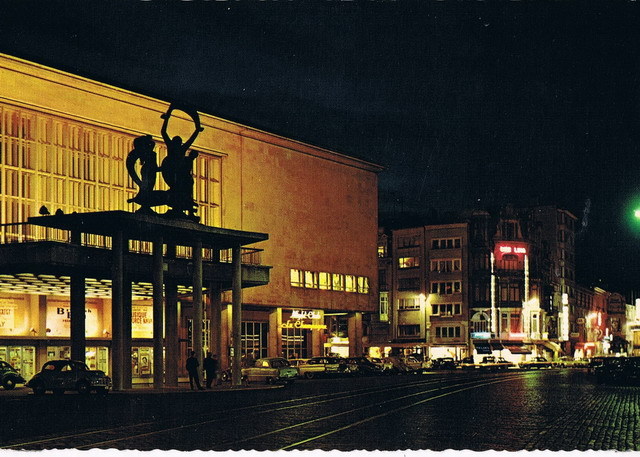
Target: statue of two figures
x: 176, y: 170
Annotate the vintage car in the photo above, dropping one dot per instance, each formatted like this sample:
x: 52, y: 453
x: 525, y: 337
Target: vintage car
x: 416, y: 365
x: 570, y: 362
x: 444, y: 363
x: 318, y: 366
x: 536, y: 362
x: 272, y: 370
x: 61, y: 375
x: 362, y: 366
x: 9, y: 376
x: 619, y: 370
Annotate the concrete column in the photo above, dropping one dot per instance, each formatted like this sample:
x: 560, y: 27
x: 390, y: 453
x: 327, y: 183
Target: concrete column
x: 172, y: 343
x: 275, y: 333
x: 158, y: 320
x: 354, y: 323
x: 42, y: 315
x: 226, y: 312
x: 215, y: 325
x: 78, y: 318
x: 126, y: 331
x: 197, y: 300
x: 317, y: 338
x: 117, y: 305
x: 236, y: 328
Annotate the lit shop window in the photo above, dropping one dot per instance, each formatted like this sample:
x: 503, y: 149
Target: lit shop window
x: 446, y: 287
x: 445, y: 243
x: 448, y: 309
x: 408, y: 262
x: 446, y: 265
x: 337, y: 281
x: 408, y: 330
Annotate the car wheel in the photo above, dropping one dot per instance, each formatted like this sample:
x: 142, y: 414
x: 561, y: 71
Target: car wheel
x: 83, y: 387
x: 38, y: 389
x: 309, y: 375
x: 9, y: 383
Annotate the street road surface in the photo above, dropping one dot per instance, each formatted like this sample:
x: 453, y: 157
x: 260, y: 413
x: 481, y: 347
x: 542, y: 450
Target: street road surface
x: 554, y: 409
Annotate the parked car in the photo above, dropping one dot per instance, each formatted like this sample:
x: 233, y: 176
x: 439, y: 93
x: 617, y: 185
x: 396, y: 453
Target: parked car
x: 536, y: 362
x: 362, y: 366
x: 444, y: 363
x: 504, y: 363
x: 570, y: 362
x: 9, y: 376
x: 468, y: 364
x: 318, y: 366
x: 614, y: 370
x: 416, y: 365
x: 595, y: 362
x: 61, y: 375
x: 395, y: 365
x: 271, y: 370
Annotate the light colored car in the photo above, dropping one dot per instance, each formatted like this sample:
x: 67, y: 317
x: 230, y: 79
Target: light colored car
x: 272, y: 370
x: 62, y: 375
x: 536, y: 362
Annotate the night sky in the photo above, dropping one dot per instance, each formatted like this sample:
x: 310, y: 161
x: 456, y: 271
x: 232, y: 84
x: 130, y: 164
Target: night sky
x: 468, y: 105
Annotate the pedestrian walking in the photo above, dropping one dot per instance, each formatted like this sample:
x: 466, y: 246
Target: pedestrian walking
x: 192, y: 368
x: 210, y: 366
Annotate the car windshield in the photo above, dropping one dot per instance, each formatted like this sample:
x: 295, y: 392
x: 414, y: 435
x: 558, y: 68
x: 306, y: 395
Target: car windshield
x: 279, y: 363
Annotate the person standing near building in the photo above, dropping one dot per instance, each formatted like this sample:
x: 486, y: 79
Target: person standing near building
x: 210, y: 366
x: 192, y: 368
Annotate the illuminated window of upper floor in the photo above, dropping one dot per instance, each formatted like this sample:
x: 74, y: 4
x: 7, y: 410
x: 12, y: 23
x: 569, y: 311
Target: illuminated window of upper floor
x: 408, y: 262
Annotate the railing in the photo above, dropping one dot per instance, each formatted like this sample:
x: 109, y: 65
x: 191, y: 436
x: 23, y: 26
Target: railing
x: 23, y: 232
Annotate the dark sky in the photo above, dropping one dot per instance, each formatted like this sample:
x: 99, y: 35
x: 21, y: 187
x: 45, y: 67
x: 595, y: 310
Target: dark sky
x: 468, y: 104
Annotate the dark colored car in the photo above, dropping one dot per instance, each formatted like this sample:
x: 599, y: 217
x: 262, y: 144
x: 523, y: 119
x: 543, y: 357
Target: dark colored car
x: 623, y: 370
x: 61, y: 375
x: 362, y: 366
x: 9, y: 376
x: 444, y: 363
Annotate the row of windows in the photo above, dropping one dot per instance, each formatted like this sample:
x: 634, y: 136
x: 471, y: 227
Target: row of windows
x: 409, y: 303
x: 446, y: 287
x: 446, y: 265
x: 329, y: 281
x: 409, y: 330
x: 71, y: 166
x: 446, y: 243
x: 448, y: 332
x: 446, y: 309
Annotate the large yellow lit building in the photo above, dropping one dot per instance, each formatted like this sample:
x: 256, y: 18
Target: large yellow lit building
x: 64, y: 140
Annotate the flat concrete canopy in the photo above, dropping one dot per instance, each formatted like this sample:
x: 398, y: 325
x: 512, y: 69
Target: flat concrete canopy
x: 143, y: 227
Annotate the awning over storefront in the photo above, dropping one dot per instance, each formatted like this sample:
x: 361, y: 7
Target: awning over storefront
x: 496, y: 346
x: 482, y: 347
x: 515, y: 348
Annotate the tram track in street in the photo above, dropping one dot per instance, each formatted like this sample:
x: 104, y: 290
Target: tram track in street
x: 118, y: 437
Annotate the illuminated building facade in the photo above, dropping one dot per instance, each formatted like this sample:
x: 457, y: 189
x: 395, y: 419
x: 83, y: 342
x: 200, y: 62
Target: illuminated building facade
x: 63, y: 146
x: 423, y: 279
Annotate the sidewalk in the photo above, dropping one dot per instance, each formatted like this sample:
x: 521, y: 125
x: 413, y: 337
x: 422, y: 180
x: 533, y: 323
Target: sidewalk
x: 184, y: 387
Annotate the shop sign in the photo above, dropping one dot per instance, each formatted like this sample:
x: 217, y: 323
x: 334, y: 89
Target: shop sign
x: 141, y: 321
x: 7, y: 318
x: 305, y: 314
x: 59, y: 320
x: 299, y: 324
x: 481, y: 335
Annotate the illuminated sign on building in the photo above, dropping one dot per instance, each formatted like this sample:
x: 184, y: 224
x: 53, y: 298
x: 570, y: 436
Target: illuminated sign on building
x: 481, y: 335
x: 142, y: 321
x: 305, y: 314
x: 297, y: 320
x: 512, y: 250
x: 59, y: 320
x: 7, y: 318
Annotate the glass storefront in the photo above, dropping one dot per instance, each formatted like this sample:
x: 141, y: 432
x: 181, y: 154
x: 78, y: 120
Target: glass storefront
x: 142, y: 362
x: 96, y: 358
x: 295, y: 343
x: 22, y: 358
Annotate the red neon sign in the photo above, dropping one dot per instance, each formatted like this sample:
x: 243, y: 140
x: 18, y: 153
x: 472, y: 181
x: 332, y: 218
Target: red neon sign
x: 512, y: 249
